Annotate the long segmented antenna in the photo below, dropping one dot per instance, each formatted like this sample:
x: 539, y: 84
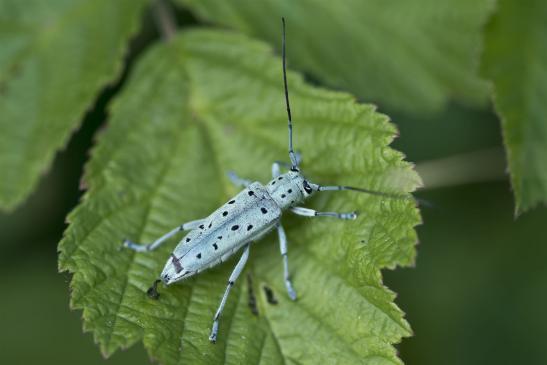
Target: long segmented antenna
x: 292, y: 155
x: 372, y: 192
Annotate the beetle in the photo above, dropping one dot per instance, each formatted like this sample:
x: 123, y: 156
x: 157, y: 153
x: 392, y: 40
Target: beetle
x: 244, y: 219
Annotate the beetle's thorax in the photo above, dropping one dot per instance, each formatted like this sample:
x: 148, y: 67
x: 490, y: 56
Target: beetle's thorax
x: 287, y: 190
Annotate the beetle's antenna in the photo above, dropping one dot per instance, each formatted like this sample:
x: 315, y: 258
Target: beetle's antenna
x: 294, y: 160
x: 372, y: 192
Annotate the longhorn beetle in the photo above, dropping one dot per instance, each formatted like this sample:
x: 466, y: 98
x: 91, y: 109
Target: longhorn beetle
x: 244, y: 219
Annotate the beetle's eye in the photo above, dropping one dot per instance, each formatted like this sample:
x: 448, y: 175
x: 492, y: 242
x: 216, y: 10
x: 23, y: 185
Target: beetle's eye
x: 307, y: 187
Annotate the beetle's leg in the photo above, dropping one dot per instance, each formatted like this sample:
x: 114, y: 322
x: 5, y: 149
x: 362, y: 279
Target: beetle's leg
x: 276, y: 168
x: 152, y: 246
x: 306, y: 212
x: 238, y: 181
x: 283, y: 247
x: 233, y: 277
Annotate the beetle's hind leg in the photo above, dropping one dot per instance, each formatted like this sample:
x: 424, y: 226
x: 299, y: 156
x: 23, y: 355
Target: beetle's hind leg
x: 233, y: 277
x: 157, y: 243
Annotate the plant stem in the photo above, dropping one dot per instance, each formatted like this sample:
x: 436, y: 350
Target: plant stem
x: 479, y: 166
x: 164, y: 18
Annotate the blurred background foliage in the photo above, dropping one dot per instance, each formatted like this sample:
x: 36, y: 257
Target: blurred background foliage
x: 477, y: 294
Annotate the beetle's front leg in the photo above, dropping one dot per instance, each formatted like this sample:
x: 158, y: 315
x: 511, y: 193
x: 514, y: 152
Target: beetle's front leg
x: 238, y: 181
x: 233, y: 277
x: 306, y: 212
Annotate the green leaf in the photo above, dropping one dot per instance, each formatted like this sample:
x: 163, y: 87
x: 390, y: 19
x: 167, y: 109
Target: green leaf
x: 54, y: 59
x: 408, y: 55
x: 193, y: 109
x: 515, y: 59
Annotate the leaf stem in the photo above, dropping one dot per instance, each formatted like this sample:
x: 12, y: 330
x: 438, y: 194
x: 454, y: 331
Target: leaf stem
x: 164, y: 19
x: 478, y: 166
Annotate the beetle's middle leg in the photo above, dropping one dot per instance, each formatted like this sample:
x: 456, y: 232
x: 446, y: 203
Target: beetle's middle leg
x: 233, y: 277
x: 283, y: 248
x: 157, y: 243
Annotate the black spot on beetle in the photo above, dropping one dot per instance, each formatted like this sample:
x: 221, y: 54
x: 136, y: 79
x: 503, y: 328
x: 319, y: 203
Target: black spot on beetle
x: 270, y: 297
x: 219, y: 237
x: 280, y: 178
x: 215, y: 246
x: 198, y: 255
x: 289, y: 191
x: 210, y: 224
x: 235, y: 228
x: 273, y: 182
x: 231, y: 202
x: 251, y: 193
x: 188, y: 239
x: 249, y: 227
x: 264, y: 210
x: 224, y: 213
x: 283, y: 196
x: 201, y: 226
